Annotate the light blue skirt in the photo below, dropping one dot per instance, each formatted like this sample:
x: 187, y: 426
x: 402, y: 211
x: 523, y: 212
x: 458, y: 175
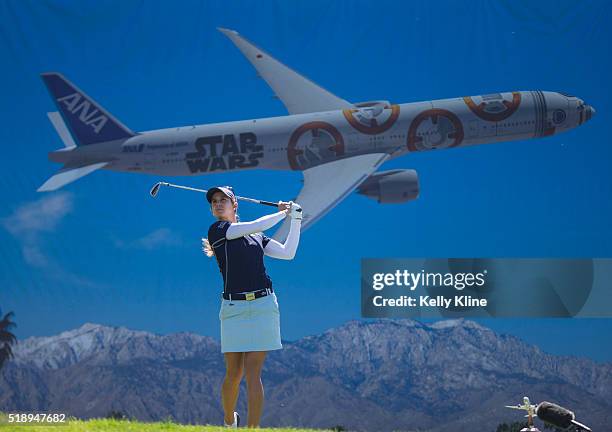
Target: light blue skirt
x: 250, y: 325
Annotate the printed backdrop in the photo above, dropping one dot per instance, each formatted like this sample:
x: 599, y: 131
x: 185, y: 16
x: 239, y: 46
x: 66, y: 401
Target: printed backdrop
x: 101, y: 250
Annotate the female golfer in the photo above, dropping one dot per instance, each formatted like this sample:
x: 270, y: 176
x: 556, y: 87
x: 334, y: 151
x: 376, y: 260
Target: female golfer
x: 250, y: 318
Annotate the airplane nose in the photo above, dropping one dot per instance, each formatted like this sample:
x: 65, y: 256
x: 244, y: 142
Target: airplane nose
x: 590, y: 112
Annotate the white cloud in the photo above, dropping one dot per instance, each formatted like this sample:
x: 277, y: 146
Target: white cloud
x: 30, y: 222
x: 31, y: 219
x: 155, y: 239
x: 34, y: 256
x: 42, y: 215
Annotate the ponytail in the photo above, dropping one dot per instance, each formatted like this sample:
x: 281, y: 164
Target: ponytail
x: 207, y: 248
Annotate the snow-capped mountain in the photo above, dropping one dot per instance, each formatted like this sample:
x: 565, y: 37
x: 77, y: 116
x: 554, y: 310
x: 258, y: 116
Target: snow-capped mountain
x: 380, y: 375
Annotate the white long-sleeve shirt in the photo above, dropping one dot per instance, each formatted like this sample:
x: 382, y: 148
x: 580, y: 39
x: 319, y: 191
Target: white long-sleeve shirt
x: 271, y: 248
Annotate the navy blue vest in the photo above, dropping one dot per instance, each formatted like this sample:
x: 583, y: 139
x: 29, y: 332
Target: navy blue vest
x: 240, y: 260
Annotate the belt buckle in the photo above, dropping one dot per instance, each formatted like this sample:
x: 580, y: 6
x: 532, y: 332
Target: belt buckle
x: 250, y: 296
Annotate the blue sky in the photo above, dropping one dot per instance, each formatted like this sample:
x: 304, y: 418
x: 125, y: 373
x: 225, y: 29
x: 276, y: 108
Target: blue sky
x: 101, y: 250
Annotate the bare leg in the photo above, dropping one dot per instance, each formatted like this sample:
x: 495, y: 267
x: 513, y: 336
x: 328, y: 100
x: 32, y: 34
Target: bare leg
x: 234, y: 368
x: 253, y: 363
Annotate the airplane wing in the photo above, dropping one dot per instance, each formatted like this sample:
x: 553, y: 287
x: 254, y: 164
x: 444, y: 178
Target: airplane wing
x: 68, y: 175
x: 298, y: 93
x: 520, y: 407
x: 328, y: 184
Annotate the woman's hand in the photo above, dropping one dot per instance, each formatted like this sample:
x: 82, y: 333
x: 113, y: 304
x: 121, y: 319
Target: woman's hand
x: 296, y: 211
x: 284, y: 206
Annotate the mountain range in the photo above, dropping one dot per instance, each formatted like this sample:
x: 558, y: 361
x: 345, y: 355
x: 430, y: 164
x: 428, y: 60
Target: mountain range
x: 378, y: 375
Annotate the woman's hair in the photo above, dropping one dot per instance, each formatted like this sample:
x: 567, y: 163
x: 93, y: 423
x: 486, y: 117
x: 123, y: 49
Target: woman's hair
x: 206, y: 247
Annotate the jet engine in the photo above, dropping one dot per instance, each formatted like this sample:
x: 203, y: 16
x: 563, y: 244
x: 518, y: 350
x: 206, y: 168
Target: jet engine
x: 393, y: 186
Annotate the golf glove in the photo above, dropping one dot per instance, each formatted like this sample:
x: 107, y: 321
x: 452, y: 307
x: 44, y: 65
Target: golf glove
x: 296, y: 211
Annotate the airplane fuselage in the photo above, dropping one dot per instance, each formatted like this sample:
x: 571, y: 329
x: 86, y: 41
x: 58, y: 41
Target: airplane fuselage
x: 299, y: 142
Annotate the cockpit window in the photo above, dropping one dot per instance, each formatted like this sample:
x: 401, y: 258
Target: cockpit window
x: 491, y: 96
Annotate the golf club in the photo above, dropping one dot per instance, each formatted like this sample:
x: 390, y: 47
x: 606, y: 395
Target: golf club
x: 155, y: 190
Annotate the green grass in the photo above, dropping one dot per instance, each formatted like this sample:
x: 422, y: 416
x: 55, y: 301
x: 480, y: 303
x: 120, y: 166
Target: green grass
x: 105, y: 425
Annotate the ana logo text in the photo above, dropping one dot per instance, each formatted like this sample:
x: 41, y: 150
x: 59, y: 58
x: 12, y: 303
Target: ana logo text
x: 88, y: 114
x: 135, y: 148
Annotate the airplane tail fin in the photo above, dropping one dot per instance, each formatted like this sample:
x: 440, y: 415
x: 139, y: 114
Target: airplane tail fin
x: 86, y: 120
x: 61, y: 129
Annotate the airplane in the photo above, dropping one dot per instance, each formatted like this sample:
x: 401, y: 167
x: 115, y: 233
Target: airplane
x: 526, y: 406
x: 551, y: 414
x: 338, y: 146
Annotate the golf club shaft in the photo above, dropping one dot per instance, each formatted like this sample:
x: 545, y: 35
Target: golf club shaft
x: 183, y: 187
x: 256, y: 201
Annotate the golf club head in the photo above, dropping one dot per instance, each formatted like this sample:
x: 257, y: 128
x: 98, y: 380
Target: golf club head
x: 155, y: 189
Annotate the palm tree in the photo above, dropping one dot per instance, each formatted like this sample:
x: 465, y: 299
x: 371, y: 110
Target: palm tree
x: 6, y: 337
